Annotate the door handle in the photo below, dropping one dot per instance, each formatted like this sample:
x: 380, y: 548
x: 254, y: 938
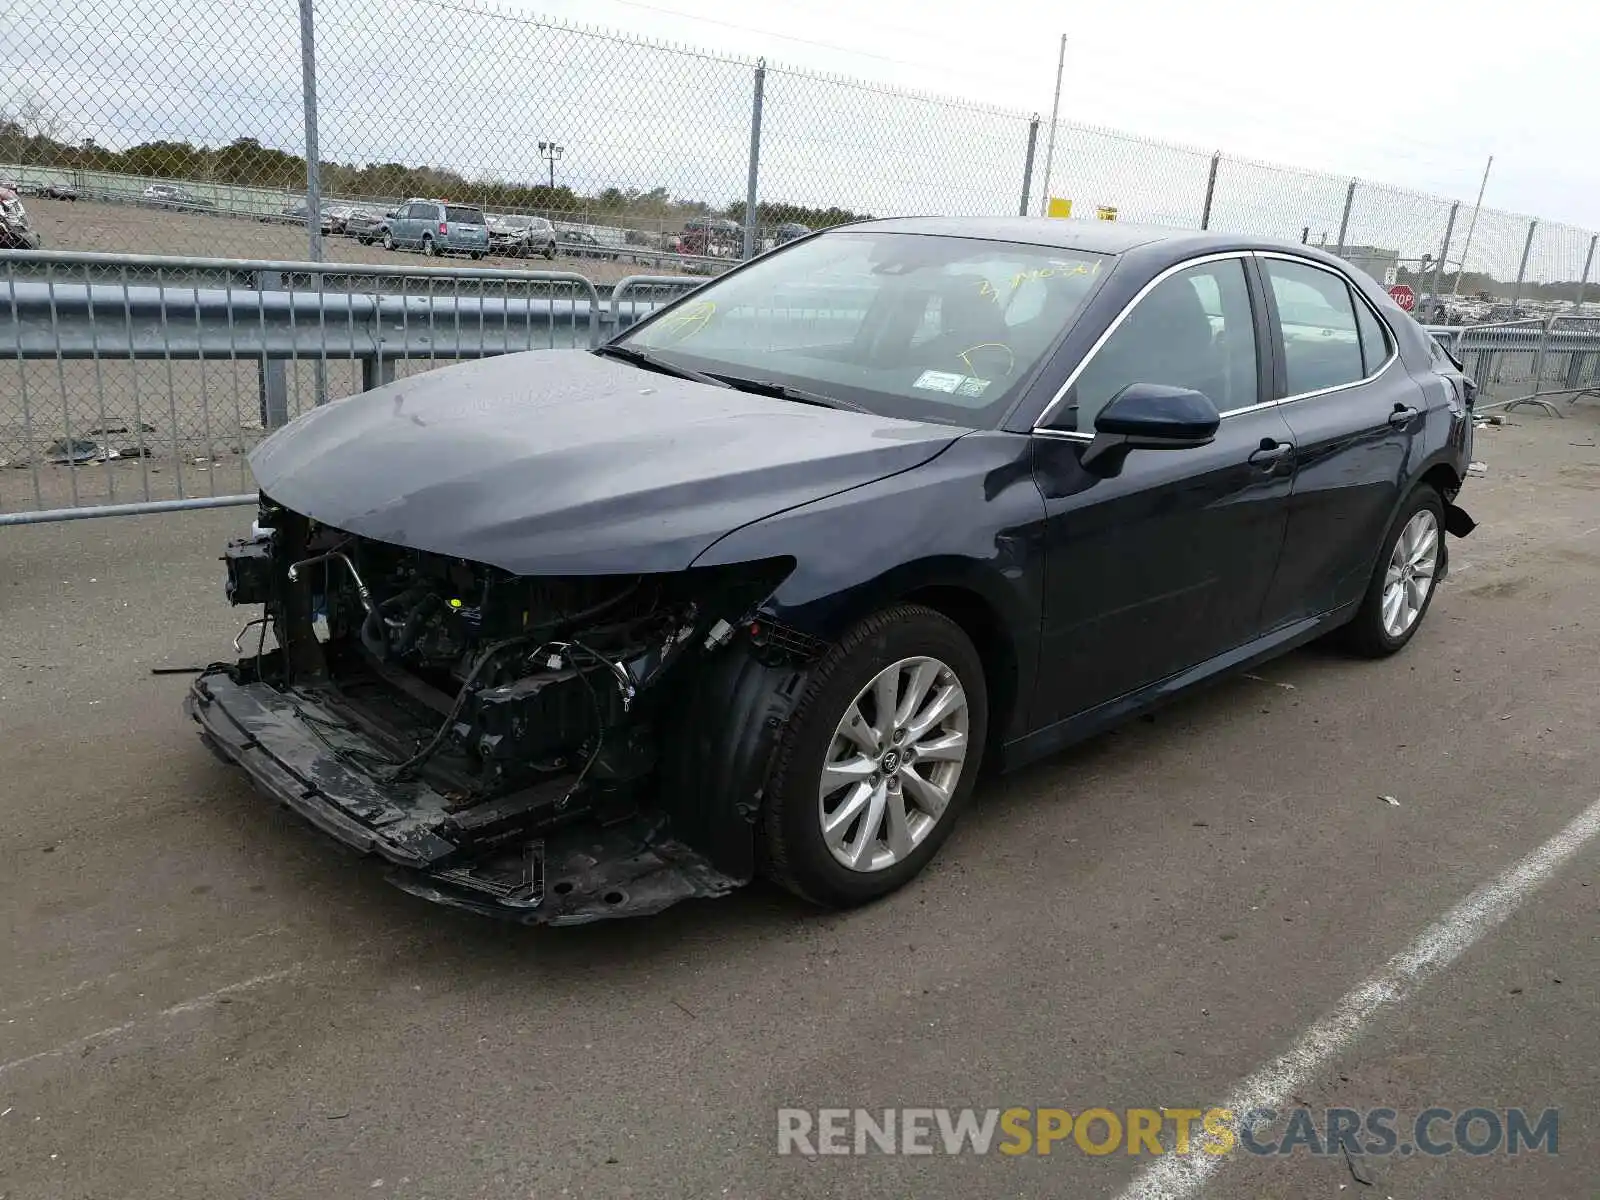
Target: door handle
x: 1402, y: 416
x: 1270, y: 454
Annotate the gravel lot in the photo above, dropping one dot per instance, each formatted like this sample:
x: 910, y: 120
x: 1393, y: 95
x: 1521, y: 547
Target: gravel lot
x: 202, y: 998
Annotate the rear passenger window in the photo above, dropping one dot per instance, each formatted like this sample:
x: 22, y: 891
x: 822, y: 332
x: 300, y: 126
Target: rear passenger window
x: 1321, y: 346
x: 1375, y: 347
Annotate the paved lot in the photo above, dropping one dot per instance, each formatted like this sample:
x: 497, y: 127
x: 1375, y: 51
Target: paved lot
x: 123, y: 228
x: 201, y: 998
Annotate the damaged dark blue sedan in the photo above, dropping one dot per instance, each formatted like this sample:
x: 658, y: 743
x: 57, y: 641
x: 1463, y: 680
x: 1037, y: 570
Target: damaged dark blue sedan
x: 762, y: 585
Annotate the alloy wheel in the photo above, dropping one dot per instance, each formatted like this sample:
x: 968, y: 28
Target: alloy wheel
x: 1410, y: 574
x: 893, y: 764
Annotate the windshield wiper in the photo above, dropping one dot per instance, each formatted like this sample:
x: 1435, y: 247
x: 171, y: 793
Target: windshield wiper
x: 643, y: 358
x: 782, y: 391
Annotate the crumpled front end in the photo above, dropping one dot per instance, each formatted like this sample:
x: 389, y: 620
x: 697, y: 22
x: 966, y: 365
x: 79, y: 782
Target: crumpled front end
x: 538, y: 748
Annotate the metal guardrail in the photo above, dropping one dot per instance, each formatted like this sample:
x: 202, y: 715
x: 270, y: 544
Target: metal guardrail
x: 637, y: 296
x: 132, y: 384
x: 1528, y: 362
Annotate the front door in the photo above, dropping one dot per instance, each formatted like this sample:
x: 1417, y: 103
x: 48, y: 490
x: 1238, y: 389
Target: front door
x: 1167, y: 563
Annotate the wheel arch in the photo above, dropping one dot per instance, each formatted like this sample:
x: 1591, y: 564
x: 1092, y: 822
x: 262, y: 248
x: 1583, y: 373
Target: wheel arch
x: 998, y: 618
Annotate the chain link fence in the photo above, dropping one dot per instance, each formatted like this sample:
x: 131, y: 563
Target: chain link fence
x: 137, y: 130
x: 182, y: 130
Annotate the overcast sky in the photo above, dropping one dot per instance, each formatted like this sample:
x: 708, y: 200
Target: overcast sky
x: 1414, y: 95
x: 1418, y: 93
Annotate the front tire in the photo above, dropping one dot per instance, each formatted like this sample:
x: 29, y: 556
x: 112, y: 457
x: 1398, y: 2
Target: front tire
x: 389, y: 242
x: 1404, y: 580
x: 878, y: 759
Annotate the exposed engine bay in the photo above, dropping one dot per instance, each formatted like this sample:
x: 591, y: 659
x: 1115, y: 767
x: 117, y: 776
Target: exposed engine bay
x: 490, y: 730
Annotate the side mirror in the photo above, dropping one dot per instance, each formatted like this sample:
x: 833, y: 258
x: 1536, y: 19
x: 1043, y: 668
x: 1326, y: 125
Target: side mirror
x: 1150, y: 416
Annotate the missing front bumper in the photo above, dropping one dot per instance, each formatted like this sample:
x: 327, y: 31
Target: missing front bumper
x: 581, y: 872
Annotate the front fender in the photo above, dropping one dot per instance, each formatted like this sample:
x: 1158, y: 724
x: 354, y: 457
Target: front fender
x: 969, y: 520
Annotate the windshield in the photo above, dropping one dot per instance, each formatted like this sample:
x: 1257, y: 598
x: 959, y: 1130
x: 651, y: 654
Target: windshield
x: 906, y: 325
x: 514, y: 222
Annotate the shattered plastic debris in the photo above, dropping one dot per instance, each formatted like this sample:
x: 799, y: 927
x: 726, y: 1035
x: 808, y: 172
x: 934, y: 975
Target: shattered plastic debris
x: 1390, y: 800
x: 77, y: 450
x: 1477, y: 468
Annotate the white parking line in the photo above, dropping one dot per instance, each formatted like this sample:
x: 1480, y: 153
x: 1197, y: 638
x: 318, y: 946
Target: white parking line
x: 190, y: 1005
x: 1175, y: 1177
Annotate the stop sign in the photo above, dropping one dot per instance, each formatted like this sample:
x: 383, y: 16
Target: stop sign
x: 1402, y: 295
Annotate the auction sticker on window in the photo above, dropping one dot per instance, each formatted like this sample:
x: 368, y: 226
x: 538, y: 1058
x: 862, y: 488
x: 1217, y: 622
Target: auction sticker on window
x: 939, y: 381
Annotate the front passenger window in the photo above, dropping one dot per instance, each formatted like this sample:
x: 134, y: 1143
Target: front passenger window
x: 1194, y: 330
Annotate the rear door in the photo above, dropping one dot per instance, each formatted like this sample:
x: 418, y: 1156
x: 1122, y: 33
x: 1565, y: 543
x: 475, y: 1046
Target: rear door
x: 1165, y: 564
x: 1356, y: 414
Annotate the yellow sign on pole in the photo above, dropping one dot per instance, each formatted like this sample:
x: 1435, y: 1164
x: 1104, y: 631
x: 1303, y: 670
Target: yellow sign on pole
x: 1106, y: 212
x: 1058, y: 207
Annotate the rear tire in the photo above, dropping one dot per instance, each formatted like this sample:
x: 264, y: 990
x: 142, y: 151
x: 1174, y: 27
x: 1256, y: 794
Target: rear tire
x: 429, y: 249
x: 839, y: 840
x: 1404, y: 579
x: 550, y: 251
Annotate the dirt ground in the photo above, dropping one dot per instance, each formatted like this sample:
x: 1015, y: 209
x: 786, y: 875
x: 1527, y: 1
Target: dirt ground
x: 200, y: 997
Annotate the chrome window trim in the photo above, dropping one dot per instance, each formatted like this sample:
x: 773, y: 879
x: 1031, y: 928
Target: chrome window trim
x: 1355, y: 290
x: 1186, y: 264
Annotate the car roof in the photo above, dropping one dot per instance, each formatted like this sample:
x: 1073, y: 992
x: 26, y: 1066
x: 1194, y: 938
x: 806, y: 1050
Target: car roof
x: 1093, y: 237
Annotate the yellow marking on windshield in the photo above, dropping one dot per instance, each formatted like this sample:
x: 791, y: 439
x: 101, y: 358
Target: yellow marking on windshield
x: 1011, y: 363
x: 689, y: 321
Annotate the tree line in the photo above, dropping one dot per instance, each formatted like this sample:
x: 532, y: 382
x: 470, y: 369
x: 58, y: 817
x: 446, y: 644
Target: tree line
x: 29, y: 137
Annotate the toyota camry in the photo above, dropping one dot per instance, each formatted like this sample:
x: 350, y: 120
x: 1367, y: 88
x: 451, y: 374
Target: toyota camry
x: 761, y: 585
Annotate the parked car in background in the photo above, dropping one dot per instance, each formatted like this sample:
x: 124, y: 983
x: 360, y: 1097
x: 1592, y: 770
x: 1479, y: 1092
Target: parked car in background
x: 517, y: 236
x: 788, y: 232
x: 580, y: 243
x: 295, y: 214
x: 711, y: 237
x: 336, y: 217
x: 366, y: 225
x: 16, y: 233
x: 920, y: 496
x: 48, y: 191
x: 438, y: 227
x: 171, y: 196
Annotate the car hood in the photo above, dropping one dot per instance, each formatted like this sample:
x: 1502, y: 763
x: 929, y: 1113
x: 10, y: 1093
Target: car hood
x: 561, y: 462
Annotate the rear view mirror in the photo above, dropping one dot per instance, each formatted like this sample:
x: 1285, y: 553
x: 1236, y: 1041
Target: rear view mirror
x: 1150, y: 416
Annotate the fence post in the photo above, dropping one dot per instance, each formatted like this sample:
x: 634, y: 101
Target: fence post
x: 1583, y: 283
x: 274, y: 381
x: 1444, y: 253
x: 1211, y: 191
x: 1344, y: 221
x: 750, y: 215
x: 1055, y: 119
x: 1522, y: 267
x: 308, y: 90
x: 1027, y: 165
